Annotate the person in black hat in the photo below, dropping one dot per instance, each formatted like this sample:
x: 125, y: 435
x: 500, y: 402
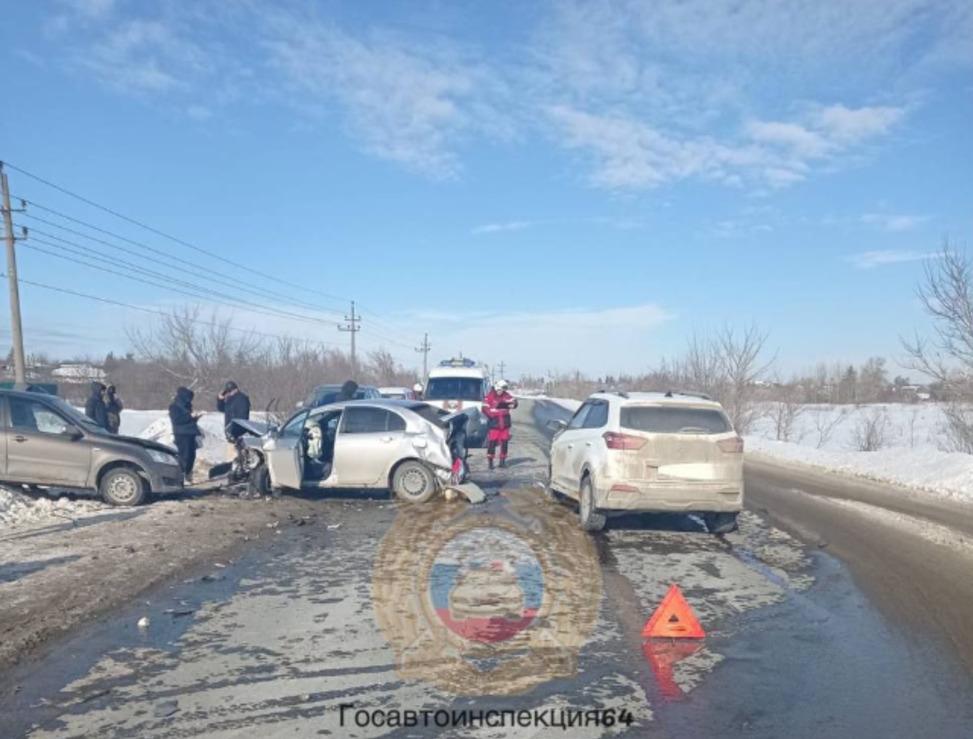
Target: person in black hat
x: 348, y: 391
x: 113, y: 409
x: 234, y: 404
x: 95, y: 407
x: 185, y: 429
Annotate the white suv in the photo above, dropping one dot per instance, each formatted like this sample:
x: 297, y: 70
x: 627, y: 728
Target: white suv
x: 674, y: 452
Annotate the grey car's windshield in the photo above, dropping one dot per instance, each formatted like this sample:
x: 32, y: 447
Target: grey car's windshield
x: 73, y: 414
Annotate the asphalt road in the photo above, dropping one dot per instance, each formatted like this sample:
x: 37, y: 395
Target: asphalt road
x: 834, y: 611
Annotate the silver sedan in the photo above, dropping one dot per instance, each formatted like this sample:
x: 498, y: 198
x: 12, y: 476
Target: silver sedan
x: 402, y: 445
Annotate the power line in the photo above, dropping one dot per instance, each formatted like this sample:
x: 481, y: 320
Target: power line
x: 198, y: 296
x: 230, y: 283
x: 163, y: 234
x: 207, y: 292
x: 163, y: 314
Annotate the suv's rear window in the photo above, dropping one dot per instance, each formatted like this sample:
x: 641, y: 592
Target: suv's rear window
x: 454, y: 388
x: 674, y: 420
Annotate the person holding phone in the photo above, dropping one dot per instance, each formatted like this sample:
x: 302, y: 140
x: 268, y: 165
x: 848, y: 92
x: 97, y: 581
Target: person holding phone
x: 185, y: 429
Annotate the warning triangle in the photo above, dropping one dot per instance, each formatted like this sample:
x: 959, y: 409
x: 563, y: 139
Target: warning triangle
x: 674, y: 618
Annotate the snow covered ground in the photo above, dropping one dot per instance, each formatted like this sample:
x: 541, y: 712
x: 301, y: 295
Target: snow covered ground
x: 910, y: 452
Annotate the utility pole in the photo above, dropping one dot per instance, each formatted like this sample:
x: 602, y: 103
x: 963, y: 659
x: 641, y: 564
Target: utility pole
x: 16, y: 330
x: 423, y: 349
x: 502, y: 365
x: 353, y: 328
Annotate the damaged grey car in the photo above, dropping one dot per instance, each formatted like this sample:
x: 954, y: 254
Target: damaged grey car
x: 407, y: 447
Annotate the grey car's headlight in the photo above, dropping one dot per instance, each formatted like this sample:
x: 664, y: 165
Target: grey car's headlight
x: 162, y: 457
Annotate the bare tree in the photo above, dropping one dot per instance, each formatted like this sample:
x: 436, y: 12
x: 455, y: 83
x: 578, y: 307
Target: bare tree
x: 826, y: 424
x: 871, y: 431
x: 946, y: 294
x: 784, y: 414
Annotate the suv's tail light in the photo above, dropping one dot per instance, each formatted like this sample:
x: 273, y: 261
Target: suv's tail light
x: 623, y: 441
x: 732, y: 446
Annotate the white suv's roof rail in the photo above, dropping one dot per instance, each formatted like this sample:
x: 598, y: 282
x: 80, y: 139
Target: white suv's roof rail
x: 688, y: 394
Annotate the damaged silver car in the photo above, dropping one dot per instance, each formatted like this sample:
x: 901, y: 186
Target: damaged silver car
x: 404, y: 446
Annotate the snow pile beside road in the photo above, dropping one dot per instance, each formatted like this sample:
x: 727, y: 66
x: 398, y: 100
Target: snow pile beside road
x: 825, y: 436
x: 213, y: 450
x: 19, y: 509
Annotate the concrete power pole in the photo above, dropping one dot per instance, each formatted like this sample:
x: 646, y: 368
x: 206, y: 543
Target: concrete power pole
x: 423, y: 349
x: 353, y: 328
x: 501, y: 367
x: 16, y: 329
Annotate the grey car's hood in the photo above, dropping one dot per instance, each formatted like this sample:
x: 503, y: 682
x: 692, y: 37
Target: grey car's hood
x: 144, y: 443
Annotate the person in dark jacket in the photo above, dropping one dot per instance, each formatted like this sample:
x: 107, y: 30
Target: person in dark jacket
x: 348, y: 391
x: 185, y: 429
x: 95, y: 407
x: 233, y: 403
x: 113, y: 409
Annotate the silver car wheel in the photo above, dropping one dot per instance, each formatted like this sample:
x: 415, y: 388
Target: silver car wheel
x: 123, y: 488
x: 414, y: 482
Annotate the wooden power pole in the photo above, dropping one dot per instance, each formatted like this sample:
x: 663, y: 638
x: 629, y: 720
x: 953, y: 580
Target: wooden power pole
x: 423, y: 349
x: 16, y: 329
x: 353, y: 328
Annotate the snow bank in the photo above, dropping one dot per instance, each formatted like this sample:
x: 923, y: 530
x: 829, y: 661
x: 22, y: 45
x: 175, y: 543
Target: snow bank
x: 19, y: 509
x: 159, y: 429
x: 824, y: 436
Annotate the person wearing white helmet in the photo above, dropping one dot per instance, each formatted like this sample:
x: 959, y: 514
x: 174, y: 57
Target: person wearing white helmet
x: 417, y: 390
x: 497, y: 406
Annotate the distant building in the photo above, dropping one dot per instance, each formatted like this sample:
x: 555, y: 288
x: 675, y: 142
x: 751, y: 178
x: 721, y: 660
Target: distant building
x: 79, y: 373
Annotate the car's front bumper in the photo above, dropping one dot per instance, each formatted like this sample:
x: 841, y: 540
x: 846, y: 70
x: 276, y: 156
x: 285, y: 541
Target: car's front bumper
x: 725, y: 496
x: 165, y: 478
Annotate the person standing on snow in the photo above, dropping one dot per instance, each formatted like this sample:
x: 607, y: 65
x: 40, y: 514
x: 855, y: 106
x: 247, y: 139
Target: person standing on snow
x: 113, y: 409
x: 95, y: 407
x: 233, y: 403
x: 497, y: 407
x: 185, y: 429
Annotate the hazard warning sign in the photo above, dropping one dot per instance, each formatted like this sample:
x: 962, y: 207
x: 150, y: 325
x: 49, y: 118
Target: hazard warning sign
x: 673, y: 618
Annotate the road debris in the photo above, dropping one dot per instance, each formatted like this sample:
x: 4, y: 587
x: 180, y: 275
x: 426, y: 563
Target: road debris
x: 144, y: 622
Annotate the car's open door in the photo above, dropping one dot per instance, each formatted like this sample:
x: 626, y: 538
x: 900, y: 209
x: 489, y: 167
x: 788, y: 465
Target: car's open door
x: 285, y: 454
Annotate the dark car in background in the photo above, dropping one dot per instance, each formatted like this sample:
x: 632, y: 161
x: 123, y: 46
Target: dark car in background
x: 326, y: 394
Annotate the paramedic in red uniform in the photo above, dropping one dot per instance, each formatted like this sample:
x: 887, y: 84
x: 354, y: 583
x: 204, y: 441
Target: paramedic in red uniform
x: 496, y: 407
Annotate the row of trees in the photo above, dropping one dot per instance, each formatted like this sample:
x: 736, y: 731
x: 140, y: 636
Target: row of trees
x: 202, y: 352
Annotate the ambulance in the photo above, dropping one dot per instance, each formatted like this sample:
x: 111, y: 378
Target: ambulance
x: 459, y: 384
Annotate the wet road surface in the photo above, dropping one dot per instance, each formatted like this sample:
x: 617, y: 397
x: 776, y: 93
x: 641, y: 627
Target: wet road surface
x: 506, y: 606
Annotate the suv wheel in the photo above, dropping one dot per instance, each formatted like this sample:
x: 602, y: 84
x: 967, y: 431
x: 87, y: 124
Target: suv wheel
x: 591, y: 520
x: 414, y: 482
x: 122, y: 487
x: 720, y: 523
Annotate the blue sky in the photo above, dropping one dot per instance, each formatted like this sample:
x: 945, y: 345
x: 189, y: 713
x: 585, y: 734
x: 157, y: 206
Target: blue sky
x: 556, y: 185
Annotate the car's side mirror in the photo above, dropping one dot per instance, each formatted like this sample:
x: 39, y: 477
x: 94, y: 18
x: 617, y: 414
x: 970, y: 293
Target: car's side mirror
x: 557, y: 425
x: 72, y: 433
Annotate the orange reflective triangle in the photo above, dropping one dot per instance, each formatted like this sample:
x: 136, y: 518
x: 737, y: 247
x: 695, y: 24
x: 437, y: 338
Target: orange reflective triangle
x: 674, y: 618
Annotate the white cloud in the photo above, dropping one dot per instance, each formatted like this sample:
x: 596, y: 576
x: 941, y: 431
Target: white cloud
x: 407, y: 102
x: 852, y: 125
x: 893, y: 221
x: 491, y: 228
x: 879, y: 258
x: 595, y: 340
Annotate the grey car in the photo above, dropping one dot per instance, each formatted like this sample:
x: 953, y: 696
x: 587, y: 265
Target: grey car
x: 48, y: 443
x: 402, y: 445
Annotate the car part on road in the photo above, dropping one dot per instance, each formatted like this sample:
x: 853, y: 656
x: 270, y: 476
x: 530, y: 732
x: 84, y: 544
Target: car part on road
x: 258, y: 483
x: 720, y: 523
x: 591, y: 520
x: 414, y: 482
x: 122, y: 486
